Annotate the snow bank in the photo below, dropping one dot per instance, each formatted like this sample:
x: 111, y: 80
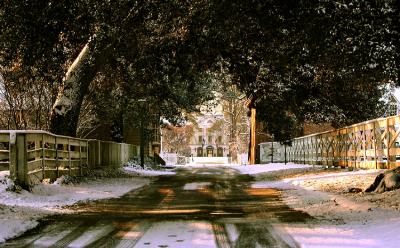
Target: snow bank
x: 263, y: 168
x: 14, y: 221
x: 150, y: 171
x: 52, y: 196
x: 254, y: 168
x: 21, y: 211
x: 345, y: 219
x: 372, y: 235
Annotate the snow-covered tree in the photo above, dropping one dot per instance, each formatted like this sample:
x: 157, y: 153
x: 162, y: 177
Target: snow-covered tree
x: 299, y: 60
x: 177, y: 139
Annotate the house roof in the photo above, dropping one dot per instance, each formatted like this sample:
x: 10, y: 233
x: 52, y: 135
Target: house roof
x: 390, y: 93
x: 396, y: 94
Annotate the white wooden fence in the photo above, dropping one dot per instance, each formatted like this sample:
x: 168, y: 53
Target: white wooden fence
x: 32, y: 156
x: 370, y: 144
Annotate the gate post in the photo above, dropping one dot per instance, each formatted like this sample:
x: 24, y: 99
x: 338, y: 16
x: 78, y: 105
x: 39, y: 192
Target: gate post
x: 18, y: 163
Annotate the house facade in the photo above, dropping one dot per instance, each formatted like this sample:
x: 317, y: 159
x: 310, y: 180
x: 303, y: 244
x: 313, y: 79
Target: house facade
x: 209, y: 137
x: 393, y: 103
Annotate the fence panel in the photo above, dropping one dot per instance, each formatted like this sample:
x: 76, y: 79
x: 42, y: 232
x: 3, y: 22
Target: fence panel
x: 371, y: 144
x: 32, y: 156
x: 4, y: 151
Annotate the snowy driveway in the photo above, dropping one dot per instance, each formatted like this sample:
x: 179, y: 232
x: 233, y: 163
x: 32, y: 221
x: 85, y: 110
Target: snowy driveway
x: 197, y: 207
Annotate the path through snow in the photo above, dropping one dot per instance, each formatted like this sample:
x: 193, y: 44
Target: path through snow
x: 21, y: 211
x: 366, y: 220
x: 343, y: 219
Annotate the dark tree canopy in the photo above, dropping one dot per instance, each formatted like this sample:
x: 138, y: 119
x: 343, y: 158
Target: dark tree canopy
x: 321, y: 61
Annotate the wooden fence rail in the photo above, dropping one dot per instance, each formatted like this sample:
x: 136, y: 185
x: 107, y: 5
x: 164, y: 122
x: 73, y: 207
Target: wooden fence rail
x: 371, y: 144
x: 32, y: 156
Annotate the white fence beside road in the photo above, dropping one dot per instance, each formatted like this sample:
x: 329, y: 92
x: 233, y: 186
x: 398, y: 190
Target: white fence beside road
x: 271, y: 152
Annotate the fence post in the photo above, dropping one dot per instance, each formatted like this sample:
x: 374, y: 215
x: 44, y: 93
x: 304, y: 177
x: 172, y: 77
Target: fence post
x: 285, y: 153
x: 94, y: 153
x: 346, y: 146
x: 87, y: 155
x: 303, y: 147
x: 272, y: 151
x: 18, y: 163
x: 375, y: 158
x: 22, y: 163
x: 118, y: 157
x: 13, y: 156
x: 80, y: 158
x: 387, y: 144
x: 364, y: 138
x: 56, y: 147
x: 69, y: 157
x: 337, y: 156
x: 43, y: 156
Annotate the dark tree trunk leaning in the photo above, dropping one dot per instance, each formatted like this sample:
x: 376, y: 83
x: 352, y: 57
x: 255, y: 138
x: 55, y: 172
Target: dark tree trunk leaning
x: 66, y: 109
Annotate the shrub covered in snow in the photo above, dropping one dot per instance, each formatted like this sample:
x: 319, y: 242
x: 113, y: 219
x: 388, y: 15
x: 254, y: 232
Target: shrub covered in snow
x: 150, y: 169
x: 135, y: 164
x: 65, y: 180
x: 8, y: 185
x: 148, y: 164
x: 113, y: 172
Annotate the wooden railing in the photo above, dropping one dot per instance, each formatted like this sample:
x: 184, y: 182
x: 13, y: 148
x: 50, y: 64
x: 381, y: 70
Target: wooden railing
x: 32, y: 156
x: 371, y: 144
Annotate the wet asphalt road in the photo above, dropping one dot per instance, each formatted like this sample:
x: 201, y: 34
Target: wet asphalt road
x: 200, y: 207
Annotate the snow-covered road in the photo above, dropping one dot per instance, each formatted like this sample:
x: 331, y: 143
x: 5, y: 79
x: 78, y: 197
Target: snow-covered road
x: 197, y: 207
x: 342, y: 219
x: 21, y: 211
x: 359, y: 220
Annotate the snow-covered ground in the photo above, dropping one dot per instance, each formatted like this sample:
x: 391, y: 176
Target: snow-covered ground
x: 148, y: 171
x: 262, y: 168
x: 252, y: 169
x: 344, y: 219
x: 185, y: 234
x: 21, y: 211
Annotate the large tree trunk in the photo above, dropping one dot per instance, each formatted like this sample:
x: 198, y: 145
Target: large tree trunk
x: 66, y: 109
x: 65, y: 112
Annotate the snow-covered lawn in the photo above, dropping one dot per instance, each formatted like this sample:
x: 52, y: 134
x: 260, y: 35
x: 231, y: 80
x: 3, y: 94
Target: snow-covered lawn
x: 147, y: 172
x: 252, y: 169
x: 344, y: 219
x: 21, y: 211
x: 134, y: 168
x: 263, y: 168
